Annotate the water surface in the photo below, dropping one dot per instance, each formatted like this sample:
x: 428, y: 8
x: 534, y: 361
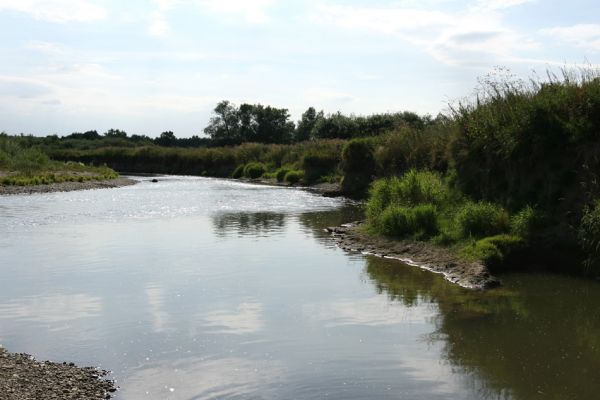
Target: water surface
x: 196, y: 288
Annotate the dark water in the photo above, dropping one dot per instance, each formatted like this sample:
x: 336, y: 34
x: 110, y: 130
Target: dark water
x: 205, y: 289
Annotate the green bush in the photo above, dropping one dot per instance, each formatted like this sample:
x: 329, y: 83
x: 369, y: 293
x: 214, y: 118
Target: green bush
x: 30, y: 160
x: 420, y: 221
x: 254, y: 170
x: 494, y: 251
x: 412, y: 189
x: 357, y: 157
x: 358, y: 165
x: 294, y: 176
x: 4, y: 159
x: 589, y: 237
x: 238, y: 172
x: 482, y: 219
x: 281, y: 173
x: 525, y: 223
x: 317, y: 164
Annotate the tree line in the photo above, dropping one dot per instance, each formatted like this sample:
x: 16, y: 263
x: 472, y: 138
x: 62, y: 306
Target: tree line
x: 232, y: 125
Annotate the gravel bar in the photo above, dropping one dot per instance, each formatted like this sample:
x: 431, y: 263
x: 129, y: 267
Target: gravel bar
x: 24, y: 378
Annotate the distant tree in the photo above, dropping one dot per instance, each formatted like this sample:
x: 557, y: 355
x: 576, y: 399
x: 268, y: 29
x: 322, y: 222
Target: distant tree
x: 166, y: 139
x: 336, y: 126
x: 116, y: 133
x: 224, y: 125
x: 306, y: 125
x: 272, y: 125
x: 249, y: 123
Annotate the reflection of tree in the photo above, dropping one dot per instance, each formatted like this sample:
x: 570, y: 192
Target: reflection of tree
x: 253, y: 224
x: 539, y: 339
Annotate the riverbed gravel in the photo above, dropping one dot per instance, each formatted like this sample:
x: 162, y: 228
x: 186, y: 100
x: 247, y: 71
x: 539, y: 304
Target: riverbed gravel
x: 24, y: 378
x: 66, y: 186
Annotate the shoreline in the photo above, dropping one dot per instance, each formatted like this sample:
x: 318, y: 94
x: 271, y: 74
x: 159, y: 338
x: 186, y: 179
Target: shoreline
x: 469, y: 275
x: 22, y: 378
x: 66, y: 186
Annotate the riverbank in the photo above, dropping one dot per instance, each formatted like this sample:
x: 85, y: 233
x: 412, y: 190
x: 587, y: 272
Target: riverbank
x: 22, y: 377
x: 67, y: 186
x: 468, y: 274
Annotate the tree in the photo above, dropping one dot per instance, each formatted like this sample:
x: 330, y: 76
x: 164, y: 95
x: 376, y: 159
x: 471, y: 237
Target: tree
x: 116, y: 133
x: 224, y: 125
x: 306, y: 125
x: 166, y: 139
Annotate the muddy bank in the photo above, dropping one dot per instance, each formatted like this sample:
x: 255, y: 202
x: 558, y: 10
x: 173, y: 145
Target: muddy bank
x: 22, y: 377
x: 66, y: 186
x: 471, y: 275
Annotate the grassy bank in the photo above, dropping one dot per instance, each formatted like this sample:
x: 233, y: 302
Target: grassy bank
x: 20, y: 166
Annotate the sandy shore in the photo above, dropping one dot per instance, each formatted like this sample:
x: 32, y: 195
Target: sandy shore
x: 471, y: 275
x: 24, y: 378
x: 66, y: 186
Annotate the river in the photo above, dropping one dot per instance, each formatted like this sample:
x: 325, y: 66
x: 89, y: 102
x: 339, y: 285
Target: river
x: 195, y: 288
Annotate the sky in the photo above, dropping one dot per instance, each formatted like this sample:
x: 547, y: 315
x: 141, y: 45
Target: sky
x: 148, y: 66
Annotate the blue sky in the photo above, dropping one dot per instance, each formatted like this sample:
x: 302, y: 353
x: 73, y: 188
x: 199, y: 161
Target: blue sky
x: 146, y: 66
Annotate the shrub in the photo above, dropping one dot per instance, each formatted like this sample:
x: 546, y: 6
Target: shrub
x: 358, y: 165
x: 589, y: 237
x: 525, y: 222
x: 421, y: 221
x: 317, y: 164
x: 254, y: 170
x: 238, y: 172
x: 494, y: 251
x: 30, y: 160
x: 280, y: 174
x: 357, y: 157
x: 294, y: 176
x: 412, y: 189
x: 482, y: 219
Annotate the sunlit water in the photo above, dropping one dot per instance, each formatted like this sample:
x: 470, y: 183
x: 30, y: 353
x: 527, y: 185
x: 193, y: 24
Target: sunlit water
x: 196, y: 288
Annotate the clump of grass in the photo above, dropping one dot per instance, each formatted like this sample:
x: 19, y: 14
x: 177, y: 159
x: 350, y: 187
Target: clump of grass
x: 420, y: 221
x: 494, y: 251
x: 281, y: 173
x: 254, y: 170
x: 238, y: 172
x: 294, y: 176
x: 482, y: 219
x: 412, y: 189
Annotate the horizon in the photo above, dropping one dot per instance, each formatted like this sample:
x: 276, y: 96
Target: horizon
x: 147, y: 67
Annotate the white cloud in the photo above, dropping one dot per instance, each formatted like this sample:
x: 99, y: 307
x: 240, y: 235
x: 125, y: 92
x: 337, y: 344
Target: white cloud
x: 60, y: 11
x: 586, y: 36
x: 52, y: 309
x: 252, y: 11
x: 245, y: 319
x: 158, y: 24
x: 476, y: 35
x: 501, y: 4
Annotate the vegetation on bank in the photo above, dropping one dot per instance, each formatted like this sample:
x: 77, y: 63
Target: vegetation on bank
x: 512, y: 172
x: 30, y: 166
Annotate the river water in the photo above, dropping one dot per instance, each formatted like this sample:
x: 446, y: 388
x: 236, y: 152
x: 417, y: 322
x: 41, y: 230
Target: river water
x: 196, y: 288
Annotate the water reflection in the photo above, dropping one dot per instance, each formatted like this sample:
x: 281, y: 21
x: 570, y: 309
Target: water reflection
x: 509, y: 343
x: 246, y: 318
x: 52, y: 309
x: 260, y: 224
x: 199, y: 378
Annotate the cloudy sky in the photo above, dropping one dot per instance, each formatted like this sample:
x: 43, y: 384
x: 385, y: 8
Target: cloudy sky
x: 146, y: 66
